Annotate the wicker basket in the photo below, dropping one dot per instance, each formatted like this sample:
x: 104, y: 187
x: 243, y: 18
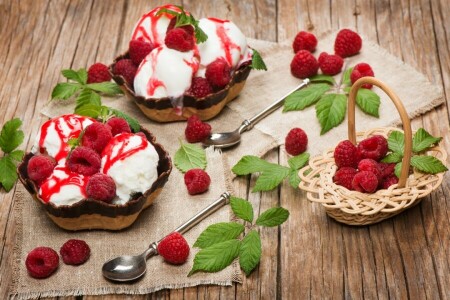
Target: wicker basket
x: 355, y: 208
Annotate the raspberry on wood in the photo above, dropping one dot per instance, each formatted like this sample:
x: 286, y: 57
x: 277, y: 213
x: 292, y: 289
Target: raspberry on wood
x: 304, y: 65
x: 75, y: 252
x: 42, y: 262
x: 296, y: 141
x: 197, y: 181
x: 330, y: 64
x: 347, y: 43
x: 196, y: 130
x: 174, y: 249
x: 362, y: 70
x: 304, y: 41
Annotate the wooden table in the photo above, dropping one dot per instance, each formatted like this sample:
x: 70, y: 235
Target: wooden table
x: 311, y: 256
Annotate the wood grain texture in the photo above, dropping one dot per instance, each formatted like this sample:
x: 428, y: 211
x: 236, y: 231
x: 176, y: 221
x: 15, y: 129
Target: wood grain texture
x: 310, y: 256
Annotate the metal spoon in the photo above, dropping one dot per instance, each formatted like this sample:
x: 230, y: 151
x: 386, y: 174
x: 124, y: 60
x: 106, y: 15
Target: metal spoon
x: 228, y: 139
x: 128, y: 268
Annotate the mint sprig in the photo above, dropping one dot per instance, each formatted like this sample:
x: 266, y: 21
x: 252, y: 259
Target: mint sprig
x: 11, y: 137
x: 190, y: 156
x: 257, y: 61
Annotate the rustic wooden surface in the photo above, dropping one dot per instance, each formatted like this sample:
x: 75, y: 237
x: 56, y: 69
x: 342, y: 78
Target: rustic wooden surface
x: 312, y: 256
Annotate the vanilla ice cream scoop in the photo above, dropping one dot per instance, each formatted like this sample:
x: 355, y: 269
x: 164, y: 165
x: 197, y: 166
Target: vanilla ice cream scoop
x: 132, y: 163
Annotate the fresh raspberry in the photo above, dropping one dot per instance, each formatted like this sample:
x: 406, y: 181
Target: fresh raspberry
x: 196, y: 130
x: 197, y: 181
x: 98, y: 72
x: 118, y: 125
x: 374, y: 147
x: 218, y: 73
x: 188, y: 28
x: 346, y: 155
x: 370, y: 165
x: 387, y: 169
x: 361, y: 70
x: 296, y: 141
x: 304, y: 65
x: 138, y: 50
x: 330, y: 64
x: 84, y: 160
x: 304, y: 41
x: 344, y: 176
x: 180, y: 40
x: 365, y: 182
x: 101, y: 187
x: 96, y: 136
x: 388, y: 181
x: 347, y: 43
x: 41, y: 262
x: 174, y: 249
x: 40, y: 167
x: 200, y: 87
x: 127, y: 69
x: 75, y: 252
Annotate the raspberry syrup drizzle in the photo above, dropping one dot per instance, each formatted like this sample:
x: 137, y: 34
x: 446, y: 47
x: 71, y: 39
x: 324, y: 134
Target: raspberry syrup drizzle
x: 54, y: 184
x: 226, y: 43
x: 153, y: 82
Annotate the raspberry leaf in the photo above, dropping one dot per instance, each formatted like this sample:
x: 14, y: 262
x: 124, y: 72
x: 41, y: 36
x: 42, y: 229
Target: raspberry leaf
x: 217, y: 233
x: 346, y: 77
x: 398, y: 169
x: 422, y: 140
x: 216, y: 257
x: 134, y: 124
x: 257, y: 61
x: 87, y: 96
x: 428, y: 164
x: 107, y: 88
x: 294, y: 179
x: 396, y: 142
x: 251, y: 164
x: 298, y: 161
x: 10, y: 136
x: 8, y: 175
x: 393, y: 157
x: 330, y: 110
x: 322, y: 78
x: 242, y: 209
x: 368, y: 102
x: 273, y: 217
x: 17, y: 155
x: 79, y: 76
x: 65, y: 90
x: 271, y: 179
x: 250, y: 252
x: 190, y: 156
x: 303, y: 98
x: 89, y: 110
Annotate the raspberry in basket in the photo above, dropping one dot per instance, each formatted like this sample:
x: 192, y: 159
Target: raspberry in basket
x: 174, y: 249
x: 41, y: 262
x: 346, y: 155
x: 374, y: 147
x: 370, y: 165
x: 365, y: 181
x: 387, y: 169
x: 75, y: 252
x: 344, y: 176
x: 388, y: 181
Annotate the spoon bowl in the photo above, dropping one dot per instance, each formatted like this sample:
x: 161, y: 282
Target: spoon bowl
x: 222, y: 140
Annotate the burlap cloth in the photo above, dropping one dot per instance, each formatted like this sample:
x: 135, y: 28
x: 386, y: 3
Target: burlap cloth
x: 174, y: 205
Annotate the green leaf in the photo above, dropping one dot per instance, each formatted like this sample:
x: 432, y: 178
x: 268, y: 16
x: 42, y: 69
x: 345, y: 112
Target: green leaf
x: 190, y: 156
x: 251, y: 164
x: 428, y: 164
x: 8, y: 174
x: 10, y: 136
x: 330, y: 110
x: 134, y: 124
x: 242, y: 209
x: 422, y: 140
x: 273, y: 217
x: 298, y: 161
x: 257, y: 61
x: 346, y: 77
x: 396, y: 142
x: 200, y: 35
x: 87, y: 96
x: 89, y: 110
x: 65, y: 90
x: 107, y: 88
x: 269, y: 180
x: 217, y: 233
x: 79, y: 76
x: 369, y: 102
x: 216, y: 257
x: 322, y: 78
x: 250, y: 252
x: 347, y: 89
x: 294, y: 179
x: 303, y: 98
x: 17, y: 155
x: 398, y: 169
x: 393, y: 158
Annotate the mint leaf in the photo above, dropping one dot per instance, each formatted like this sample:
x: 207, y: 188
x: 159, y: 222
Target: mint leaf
x: 79, y: 76
x: 322, y: 78
x: 393, y: 157
x: 398, y: 169
x: 10, y: 136
x: 273, y: 217
x: 217, y: 233
x: 250, y: 252
x: 190, y: 156
x: 294, y: 179
x: 134, y: 124
x: 305, y: 97
x: 242, y: 209
x: 422, y: 140
x: 369, y: 102
x: 298, y: 161
x: 257, y: 61
x: 107, y: 88
x: 89, y: 110
x: 346, y: 77
x: 330, y: 110
x: 87, y: 96
x: 8, y: 174
x: 65, y: 90
x: 217, y: 257
x: 428, y: 164
x: 396, y: 142
x: 250, y: 164
x: 271, y: 179
x: 17, y: 155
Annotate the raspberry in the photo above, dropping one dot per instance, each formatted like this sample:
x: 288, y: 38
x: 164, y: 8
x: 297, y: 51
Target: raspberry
x: 188, y: 28
x: 304, y: 65
x: 374, y: 147
x: 180, y: 40
x: 101, y: 187
x: 98, y: 72
x: 387, y: 169
x: 346, y: 155
x: 118, y: 125
x: 75, y: 252
x: 41, y: 262
x: 197, y: 181
x: 304, y: 41
x: 347, y: 43
x: 218, y: 73
x: 174, y: 249
x: 388, y: 181
x: 361, y: 70
x: 138, y: 50
x: 370, y: 165
x: 196, y: 130
x: 365, y: 182
x: 330, y: 64
x: 200, y: 87
x: 96, y: 136
x: 344, y: 176
x: 84, y: 160
x: 127, y: 69
x: 40, y: 167
x: 296, y: 141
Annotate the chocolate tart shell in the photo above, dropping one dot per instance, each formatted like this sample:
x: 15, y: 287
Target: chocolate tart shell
x: 93, y: 214
x: 162, y: 110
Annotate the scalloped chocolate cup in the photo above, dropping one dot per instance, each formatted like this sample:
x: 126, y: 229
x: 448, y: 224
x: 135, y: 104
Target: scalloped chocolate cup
x: 93, y: 214
x: 162, y: 110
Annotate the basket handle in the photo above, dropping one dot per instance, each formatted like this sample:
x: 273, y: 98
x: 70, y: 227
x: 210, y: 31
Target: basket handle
x: 403, y: 116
